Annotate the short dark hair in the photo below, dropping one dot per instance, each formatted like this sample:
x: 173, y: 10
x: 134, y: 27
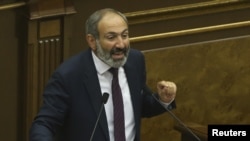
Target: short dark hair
x: 92, y: 22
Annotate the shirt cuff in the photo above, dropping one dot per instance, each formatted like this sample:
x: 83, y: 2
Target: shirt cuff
x: 166, y: 104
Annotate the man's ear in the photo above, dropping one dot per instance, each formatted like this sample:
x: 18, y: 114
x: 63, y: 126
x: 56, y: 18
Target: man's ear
x: 91, y: 41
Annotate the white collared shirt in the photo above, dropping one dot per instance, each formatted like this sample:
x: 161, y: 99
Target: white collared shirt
x: 105, y: 79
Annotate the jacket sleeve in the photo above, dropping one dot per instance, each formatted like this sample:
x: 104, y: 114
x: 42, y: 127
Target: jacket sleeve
x: 151, y: 106
x: 52, y: 113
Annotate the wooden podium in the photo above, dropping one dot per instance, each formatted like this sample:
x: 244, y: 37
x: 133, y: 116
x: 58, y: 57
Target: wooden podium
x: 199, y: 130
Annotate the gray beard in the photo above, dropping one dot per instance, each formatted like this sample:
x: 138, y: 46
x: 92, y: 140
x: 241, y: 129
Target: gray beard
x: 107, y: 58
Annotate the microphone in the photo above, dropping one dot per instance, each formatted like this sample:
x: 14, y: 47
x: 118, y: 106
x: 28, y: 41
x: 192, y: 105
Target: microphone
x: 105, y: 97
x: 177, y: 119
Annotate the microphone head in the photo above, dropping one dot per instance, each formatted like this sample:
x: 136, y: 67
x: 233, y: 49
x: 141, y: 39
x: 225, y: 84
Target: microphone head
x: 105, y: 97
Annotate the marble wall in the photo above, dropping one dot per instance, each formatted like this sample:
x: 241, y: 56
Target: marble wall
x: 213, y: 80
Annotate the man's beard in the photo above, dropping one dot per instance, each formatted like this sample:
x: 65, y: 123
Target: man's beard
x: 106, y: 56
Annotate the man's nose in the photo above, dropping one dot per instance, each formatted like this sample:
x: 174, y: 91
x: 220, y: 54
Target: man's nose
x: 120, y: 42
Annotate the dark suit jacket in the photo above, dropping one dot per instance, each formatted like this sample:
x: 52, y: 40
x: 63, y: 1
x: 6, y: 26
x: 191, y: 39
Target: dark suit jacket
x: 72, y: 100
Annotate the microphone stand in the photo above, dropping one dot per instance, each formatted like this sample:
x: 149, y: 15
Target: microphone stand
x: 177, y: 119
x: 105, y: 97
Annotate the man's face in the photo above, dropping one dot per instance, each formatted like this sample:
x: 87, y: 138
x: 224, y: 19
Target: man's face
x: 113, y: 44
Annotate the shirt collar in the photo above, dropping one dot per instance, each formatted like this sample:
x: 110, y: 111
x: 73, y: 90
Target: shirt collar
x: 101, y: 67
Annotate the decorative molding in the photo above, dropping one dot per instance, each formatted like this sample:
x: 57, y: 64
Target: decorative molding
x: 12, y: 5
x: 189, y: 31
x: 188, y: 10
x: 42, y: 8
x: 47, y: 8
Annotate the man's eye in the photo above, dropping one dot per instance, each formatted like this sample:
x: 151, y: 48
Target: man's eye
x: 125, y: 35
x: 110, y: 37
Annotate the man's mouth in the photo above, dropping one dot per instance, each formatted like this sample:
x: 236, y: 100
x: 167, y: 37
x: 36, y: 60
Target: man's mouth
x: 118, y: 53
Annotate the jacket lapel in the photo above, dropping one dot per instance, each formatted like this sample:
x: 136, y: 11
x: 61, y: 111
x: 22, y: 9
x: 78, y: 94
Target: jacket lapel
x: 134, y: 83
x: 93, y: 89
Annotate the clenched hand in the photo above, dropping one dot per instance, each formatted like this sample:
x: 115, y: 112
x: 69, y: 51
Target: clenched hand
x: 166, y: 90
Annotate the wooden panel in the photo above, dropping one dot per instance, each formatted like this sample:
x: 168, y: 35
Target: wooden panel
x: 10, y: 76
x: 11, y: 5
x: 190, y: 31
x: 190, y: 23
x: 45, y: 50
x: 50, y: 8
x: 185, y: 10
x: 213, y: 84
x: 45, y: 53
x: 192, y: 132
x: 50, y: 57
x: 49, y: 28
x: 190, y: 36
